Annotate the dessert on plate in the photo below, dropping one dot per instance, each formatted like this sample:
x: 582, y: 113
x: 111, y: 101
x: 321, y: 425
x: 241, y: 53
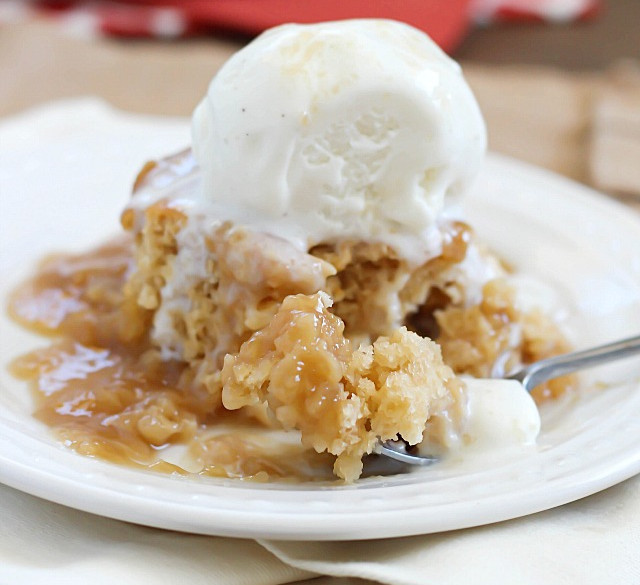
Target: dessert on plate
x: 303, y: 267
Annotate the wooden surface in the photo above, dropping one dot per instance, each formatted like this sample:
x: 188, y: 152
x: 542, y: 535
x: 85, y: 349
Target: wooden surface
x: 549, y: 116
x: 584, y: 46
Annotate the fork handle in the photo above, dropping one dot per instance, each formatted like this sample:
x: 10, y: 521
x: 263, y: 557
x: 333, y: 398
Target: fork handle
x: 544, y: 370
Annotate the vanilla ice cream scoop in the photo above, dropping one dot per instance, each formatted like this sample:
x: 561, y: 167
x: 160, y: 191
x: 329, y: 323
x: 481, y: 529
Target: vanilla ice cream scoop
x: 358, y: 129
x: 500, y: 413
x: 497, y: 415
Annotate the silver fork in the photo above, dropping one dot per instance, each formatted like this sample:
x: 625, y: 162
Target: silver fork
x: 531, y: 376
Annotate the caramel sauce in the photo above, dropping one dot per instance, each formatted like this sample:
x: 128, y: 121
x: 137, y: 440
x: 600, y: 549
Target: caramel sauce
x: 107, y: 394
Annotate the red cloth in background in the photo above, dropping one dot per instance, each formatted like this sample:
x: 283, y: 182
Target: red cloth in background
x: 446, y: 21
x: 488, y: 11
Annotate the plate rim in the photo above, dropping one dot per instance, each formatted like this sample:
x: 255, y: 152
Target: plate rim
x: 320, y: 524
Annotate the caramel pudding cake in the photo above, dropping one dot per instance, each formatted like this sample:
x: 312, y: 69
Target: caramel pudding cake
x: 302, y: 268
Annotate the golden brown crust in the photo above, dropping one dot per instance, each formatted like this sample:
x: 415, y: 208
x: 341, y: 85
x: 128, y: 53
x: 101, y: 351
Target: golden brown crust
x: 494, y: 338
x: 373, y: 290
x: 341, y: 398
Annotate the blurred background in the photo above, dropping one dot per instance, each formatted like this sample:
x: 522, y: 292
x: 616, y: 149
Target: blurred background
x: 558, y: 80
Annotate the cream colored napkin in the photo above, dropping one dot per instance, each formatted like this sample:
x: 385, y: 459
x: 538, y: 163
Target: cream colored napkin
x: 47, y: 544
x: 595, y: 541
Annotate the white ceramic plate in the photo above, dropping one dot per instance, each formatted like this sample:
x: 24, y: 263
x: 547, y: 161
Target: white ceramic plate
x: 65, y: 173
